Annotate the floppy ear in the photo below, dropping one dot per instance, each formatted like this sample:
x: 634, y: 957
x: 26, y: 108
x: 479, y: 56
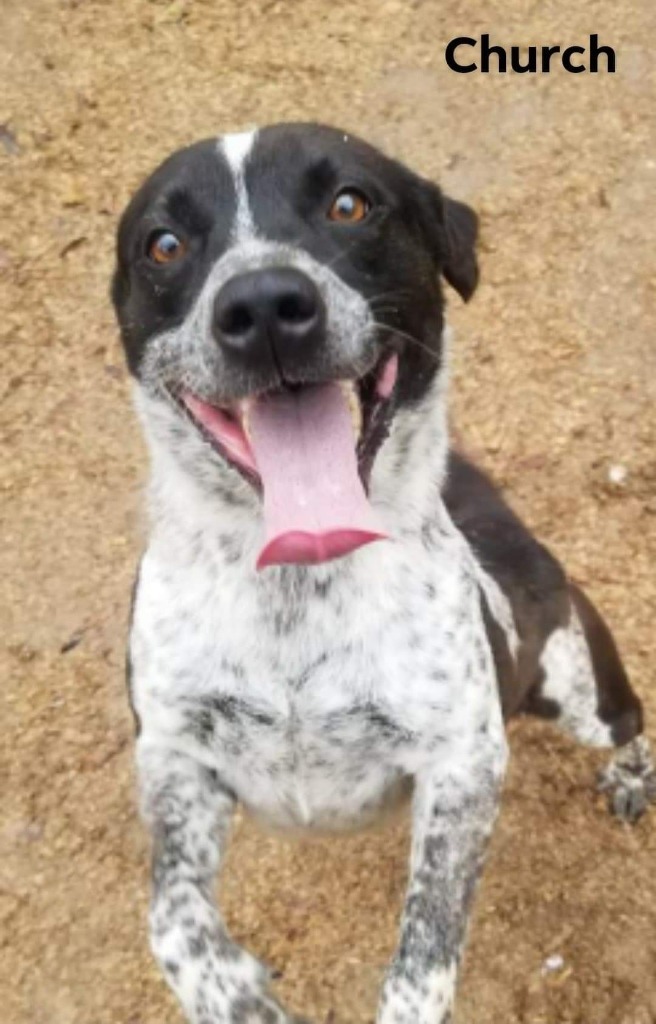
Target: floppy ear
x: 460, y: 266
x: 450, y: 229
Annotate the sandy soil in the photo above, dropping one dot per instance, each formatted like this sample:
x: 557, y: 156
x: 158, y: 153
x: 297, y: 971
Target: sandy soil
x: 555, y: 383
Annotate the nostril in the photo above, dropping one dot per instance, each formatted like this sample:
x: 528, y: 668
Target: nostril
x: 236, y: 319
x: 295, y: 309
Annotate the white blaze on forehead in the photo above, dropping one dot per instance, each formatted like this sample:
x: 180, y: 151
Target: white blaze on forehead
x: 236, y: 148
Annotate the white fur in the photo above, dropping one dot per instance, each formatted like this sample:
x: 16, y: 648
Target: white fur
x: 570, y: 681
x: 236, y: 149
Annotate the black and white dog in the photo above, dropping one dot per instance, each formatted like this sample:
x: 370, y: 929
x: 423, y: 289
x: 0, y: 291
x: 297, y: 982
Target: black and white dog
x: 280, y: 302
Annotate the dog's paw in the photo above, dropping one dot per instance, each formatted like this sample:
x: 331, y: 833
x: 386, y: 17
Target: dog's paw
x: 629, y: 781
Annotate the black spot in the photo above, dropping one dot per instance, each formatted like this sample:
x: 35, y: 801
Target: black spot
x: 172, y: 969
x: 197, y: 946
x: 227, y: 707
x: 201, y: 725
x: 428, y: 535
x: 249, y: 1008
x: 230, y: 547
x: 322, y: 587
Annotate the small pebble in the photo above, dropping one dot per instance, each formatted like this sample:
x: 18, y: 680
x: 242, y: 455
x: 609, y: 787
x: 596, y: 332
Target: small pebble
x: 553, y: 963
x: 617, y: 474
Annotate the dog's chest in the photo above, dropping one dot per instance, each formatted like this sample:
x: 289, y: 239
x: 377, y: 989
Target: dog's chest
x: 314, y: 696
x: 315, y: 756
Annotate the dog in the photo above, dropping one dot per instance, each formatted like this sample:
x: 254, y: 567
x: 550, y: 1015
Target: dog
x: 336, y: 611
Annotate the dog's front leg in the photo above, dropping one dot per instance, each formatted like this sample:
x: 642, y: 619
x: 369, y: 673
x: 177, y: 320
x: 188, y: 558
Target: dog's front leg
x: 453, y: 814
x: 189, y: 812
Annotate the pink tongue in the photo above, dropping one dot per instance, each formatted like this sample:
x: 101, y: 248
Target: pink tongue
x: 315, y: 507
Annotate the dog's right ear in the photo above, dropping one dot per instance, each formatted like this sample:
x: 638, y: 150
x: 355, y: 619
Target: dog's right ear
x: 452, y: 230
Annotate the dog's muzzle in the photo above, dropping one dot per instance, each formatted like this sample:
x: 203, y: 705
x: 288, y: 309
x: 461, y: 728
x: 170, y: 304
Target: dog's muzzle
x: 302, y: 444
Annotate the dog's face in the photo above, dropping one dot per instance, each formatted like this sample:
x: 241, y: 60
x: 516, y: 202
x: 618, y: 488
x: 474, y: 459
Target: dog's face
x: 279, y: 295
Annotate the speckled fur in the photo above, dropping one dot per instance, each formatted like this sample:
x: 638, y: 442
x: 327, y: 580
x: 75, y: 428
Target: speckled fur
x: 288, y: 691
x: 316, y: 697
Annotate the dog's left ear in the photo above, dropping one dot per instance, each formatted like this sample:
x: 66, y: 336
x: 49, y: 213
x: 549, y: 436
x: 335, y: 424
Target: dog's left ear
x: 460, y: 266
x: 452, y: 229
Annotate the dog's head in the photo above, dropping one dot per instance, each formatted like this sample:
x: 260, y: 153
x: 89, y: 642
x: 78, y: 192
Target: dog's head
x: 280, y: 301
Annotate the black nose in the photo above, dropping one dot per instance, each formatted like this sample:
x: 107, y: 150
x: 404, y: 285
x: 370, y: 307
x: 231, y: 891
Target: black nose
x: 272, y: 314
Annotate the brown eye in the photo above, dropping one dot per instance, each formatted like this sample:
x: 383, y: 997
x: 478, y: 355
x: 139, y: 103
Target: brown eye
x: 349, y: 207
x: 165, y: 247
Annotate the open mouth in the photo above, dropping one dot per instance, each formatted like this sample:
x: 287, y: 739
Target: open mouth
x: 309, y: 449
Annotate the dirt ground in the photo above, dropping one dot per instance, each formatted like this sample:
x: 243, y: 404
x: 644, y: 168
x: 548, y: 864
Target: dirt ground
x: 554, y: 388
